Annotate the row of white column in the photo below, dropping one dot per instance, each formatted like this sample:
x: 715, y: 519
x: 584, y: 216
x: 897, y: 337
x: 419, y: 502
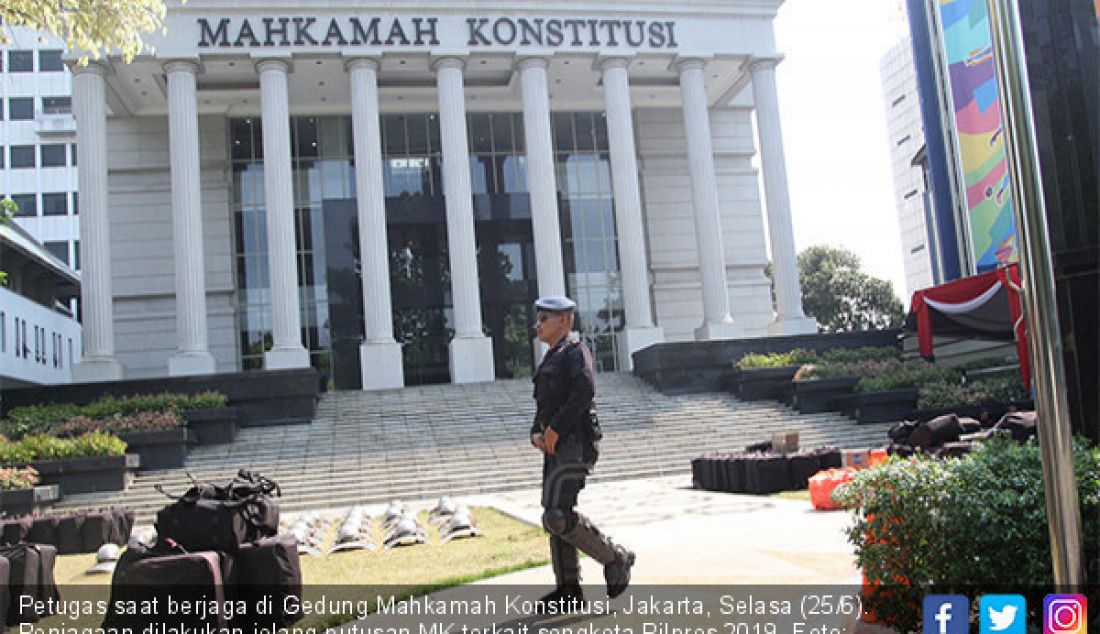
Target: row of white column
x: 471, y: 352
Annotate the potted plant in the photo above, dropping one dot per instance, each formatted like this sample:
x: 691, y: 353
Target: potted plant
x: 764, y: 376
x: 96, y: 461
x: 159, y: 438
x: 891, y: 393
x: 20, y: 493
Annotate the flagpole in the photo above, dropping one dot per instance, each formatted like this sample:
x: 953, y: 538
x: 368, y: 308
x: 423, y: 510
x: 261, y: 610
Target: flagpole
x: 1039, y: 295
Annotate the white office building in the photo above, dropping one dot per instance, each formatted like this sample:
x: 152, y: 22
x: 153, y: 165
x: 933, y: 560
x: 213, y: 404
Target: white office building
x: 382, y: 191
x: 906, y: 135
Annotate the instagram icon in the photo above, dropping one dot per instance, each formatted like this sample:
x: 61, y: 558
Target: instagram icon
x: 1065, y: 614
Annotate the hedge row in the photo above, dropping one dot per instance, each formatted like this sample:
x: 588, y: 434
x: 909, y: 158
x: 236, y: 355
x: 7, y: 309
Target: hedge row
x: 35, y: 419
x: 46, y: 447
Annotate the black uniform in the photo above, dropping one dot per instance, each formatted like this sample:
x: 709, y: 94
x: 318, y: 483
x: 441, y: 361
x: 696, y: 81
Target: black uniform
x: 564, y: 389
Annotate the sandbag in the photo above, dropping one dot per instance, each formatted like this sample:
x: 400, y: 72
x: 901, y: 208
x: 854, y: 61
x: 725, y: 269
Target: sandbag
x: 189, y: 577
x: 936, y: 432
x: 14, y: 530
x: 823, y: 483
x: 801, y: 466
x: 766, y: 474
x: 1020, y: 424
x: 269, y: 569
x: 25, y: 565
x: 43, y: 530
x: 69, y: 538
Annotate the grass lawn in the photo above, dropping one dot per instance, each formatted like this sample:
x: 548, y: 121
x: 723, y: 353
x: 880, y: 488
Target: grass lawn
x: 507, y: 545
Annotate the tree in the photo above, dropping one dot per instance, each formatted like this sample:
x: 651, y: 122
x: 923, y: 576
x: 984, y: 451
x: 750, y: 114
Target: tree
x: 7, y: 210
x: 92, y: 27
x: 841, y: 297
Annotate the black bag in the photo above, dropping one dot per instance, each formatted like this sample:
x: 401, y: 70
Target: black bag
x: 900, y: 432
x: 221, y: 517
x: 766, y: 474
x: 969, y: 425
x: 47, y: 586
x: 1021, y: 424
x: 936, y: 432
x: 269, y: 570
x: 43, y: 530
x: 23, y: 580
x: 15, y: 530
x: 829, y: 457
x: 801, y: 467
x: 735, y: 473
x: 697, y: 472
x: 190, y: 577
x: 122, y: 524
x: 69, y: 538
x: 764, y: 445
x: 95, y: 531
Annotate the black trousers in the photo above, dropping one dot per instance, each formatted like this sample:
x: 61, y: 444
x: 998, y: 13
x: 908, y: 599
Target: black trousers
x: 563, y: 477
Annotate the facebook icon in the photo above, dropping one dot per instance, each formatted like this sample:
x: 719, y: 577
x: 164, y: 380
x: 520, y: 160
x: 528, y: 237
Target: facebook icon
x: 946, y: 614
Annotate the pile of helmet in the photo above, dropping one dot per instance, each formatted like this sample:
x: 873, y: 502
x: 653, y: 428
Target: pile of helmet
x: 454, y: 520
x: 401, y: 528
x: 308, y: 532
x: 216, y: 545
x: 354, y: 532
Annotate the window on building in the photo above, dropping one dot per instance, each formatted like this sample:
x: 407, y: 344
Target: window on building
x: 22, y: 156
x: 903, y: 139
x: 3, y: 332
x: 76, y: 255
x: 59, y: 249
x: 50, y: 61
x: 21, y: 61
x: 3, y: 157
x: 898, y: 100
x: 53, y: 154
x: 910, y: 194
x: 27, y: 204
x: 73, y: 153
x: 55, y: 205
x: 21, y: 108
x: 57, y: 105
x: 917, y: 249
x: 76, y: 205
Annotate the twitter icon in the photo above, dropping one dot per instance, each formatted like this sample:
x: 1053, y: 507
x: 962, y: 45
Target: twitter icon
x: 1003, y: 614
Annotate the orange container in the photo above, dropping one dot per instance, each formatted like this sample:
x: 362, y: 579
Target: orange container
x: 822, y: 485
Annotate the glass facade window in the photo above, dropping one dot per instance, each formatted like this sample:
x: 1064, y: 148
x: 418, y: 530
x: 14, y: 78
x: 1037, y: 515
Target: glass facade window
x: 21, y: 108
x: 589, y: 236
x: 22, y: 156
x: 49, y: 61
x: 55, y: 204
x: 27, y: 204
x: 59, y: 249
x: 21, y: 61
x: 57, y: 105
x: 53, y: 154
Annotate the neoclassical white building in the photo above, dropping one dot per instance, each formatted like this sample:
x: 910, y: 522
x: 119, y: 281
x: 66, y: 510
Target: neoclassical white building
x: 381, y: 193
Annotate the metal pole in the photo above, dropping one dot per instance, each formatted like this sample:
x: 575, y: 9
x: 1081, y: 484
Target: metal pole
x: 1040, y: 302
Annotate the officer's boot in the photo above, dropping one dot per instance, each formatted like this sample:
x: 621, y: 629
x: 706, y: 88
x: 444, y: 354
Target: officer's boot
x: 616, y: 560
x: 567, y: 574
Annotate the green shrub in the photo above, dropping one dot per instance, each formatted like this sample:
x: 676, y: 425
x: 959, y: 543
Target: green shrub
x: 857, y: 355
x: 971, y: 524
x: 982, y: 392
x: 118, y: 424
x: 754, y: 360
x: 14, y: 479
x: 46, y: 447
x: 896, y: 374
x: 33, y: 419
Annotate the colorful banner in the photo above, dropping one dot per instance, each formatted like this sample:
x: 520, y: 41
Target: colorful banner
x: 979, y: 133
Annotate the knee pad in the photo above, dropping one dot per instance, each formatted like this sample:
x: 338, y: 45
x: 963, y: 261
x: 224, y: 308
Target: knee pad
x: 557, y: 521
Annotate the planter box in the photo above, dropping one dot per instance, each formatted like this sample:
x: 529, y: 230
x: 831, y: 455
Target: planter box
x: 758, y: 384
x: 882, y: 407
x: 824, y: 395
x: 27, y: 501
x: 159, y: 449
x: 88, y: 475
x: 213, y: 426
x: 996, y: 411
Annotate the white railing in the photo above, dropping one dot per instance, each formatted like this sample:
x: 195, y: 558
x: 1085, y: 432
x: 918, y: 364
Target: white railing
x: 37, y: 345
x: 56, y: 123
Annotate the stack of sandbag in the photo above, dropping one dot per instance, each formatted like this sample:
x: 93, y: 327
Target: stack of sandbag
x: 761, y: 472
x: 216, y: 542
x: 951, y: 436
x: 70, y: 533
x: 27, y: 587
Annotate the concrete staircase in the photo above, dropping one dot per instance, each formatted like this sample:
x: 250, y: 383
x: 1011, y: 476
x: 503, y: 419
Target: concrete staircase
x: 422, y: 442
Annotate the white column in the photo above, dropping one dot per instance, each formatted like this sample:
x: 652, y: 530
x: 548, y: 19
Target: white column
x: 192, y: 352
x: 96, y: 299
x: 789, y: 319
x: 639, y: 331
x: 717, y: 323
x: 379, y: 355
x: 286, y: 319
x: 471, y: 352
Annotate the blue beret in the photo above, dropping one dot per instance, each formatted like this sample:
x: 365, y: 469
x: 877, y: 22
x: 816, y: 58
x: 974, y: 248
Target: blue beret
x: 555, y: 303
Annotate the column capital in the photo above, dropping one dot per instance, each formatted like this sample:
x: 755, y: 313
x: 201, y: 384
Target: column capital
x: 612, y: 61
x: 448, y: 61
x: 91, y: 68
x: 273, y: 63
x: 758, y: 64
x: 372, y: 62
x: 682, y: 63
x: 192, y: 66
x: 532, y: 61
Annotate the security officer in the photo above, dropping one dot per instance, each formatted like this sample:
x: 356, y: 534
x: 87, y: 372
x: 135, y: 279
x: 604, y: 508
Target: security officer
x: 567, y: 432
